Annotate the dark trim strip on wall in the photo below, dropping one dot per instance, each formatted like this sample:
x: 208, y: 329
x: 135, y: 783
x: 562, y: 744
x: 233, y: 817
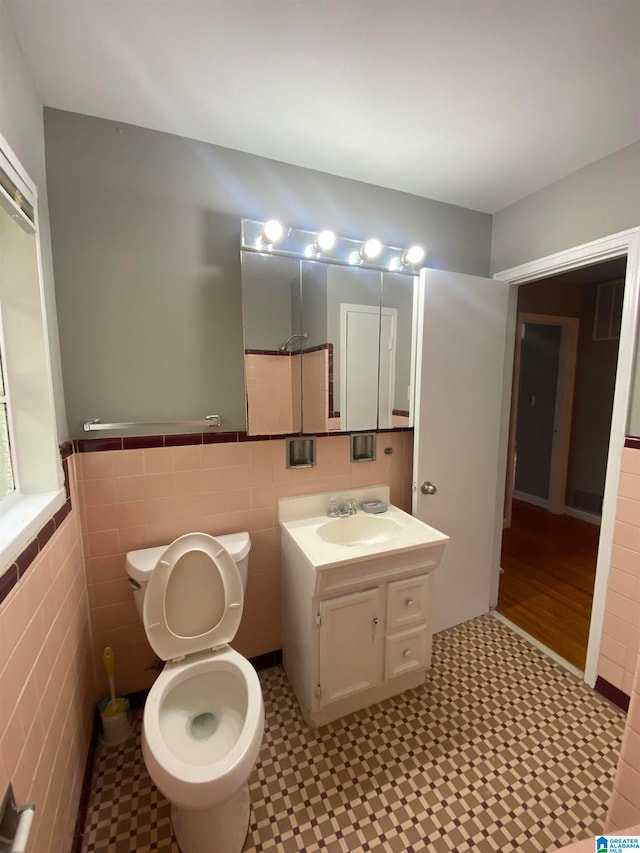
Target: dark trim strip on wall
x: 133, y: 442
x: 616, y: 696
x: 23, y: 561
x: 18, y: 569
x: 21, y: 565
x: 288, y: 352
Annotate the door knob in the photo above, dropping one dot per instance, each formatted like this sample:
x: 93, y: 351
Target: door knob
x: 428, y: 488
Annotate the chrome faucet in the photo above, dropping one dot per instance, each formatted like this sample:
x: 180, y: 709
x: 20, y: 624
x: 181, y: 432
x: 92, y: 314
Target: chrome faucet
x: 341, y: 507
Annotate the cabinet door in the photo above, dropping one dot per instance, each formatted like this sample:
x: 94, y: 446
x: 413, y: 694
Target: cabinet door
x: 351, y: 637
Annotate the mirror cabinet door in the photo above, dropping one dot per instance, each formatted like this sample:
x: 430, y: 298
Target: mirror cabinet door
x: 271, y: 305
x: 327, y: 347
x: 397, y: 349
x: 353, y: 331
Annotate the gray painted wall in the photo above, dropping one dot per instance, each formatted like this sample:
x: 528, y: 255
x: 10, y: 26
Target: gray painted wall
x: 267, y: 311
x: 592, y: 405
x: 146, y: 245
x: 601, y: 199
x: 593, y: 202
x: 21, y: 124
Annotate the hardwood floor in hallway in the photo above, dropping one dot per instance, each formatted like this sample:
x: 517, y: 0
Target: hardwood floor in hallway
x: 546, y: 589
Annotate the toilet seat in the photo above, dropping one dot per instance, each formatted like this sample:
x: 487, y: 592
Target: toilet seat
x: 194, y: 599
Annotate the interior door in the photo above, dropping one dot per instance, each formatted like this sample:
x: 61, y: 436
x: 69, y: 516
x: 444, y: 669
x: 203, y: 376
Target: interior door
x: 359, y: 333
x: 464, y: 369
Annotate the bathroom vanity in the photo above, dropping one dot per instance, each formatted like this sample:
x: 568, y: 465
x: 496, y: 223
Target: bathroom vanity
x: 356, y: 603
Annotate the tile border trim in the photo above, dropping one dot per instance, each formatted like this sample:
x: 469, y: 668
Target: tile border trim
x: 21, y: 565
x: 616, y: 696
x: 632, y: 441
x: 136, y: 442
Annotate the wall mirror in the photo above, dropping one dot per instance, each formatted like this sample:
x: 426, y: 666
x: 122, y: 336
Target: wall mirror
x: 328, y: 346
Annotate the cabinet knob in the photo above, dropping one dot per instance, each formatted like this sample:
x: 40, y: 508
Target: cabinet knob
x: 406, y: 653
x: 409, y: 602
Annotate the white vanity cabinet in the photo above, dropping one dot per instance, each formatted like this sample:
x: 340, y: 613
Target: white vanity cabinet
x: 357, y: 633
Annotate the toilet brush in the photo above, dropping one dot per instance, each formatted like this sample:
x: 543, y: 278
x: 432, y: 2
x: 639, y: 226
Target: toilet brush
x: 116, y: 726
x: 116, y: 706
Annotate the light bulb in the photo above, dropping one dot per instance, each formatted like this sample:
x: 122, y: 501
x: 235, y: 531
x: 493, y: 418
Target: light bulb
x: 412, y: 256
x: 325, y: 241
x: 371, y: 249
x: 271, y: 231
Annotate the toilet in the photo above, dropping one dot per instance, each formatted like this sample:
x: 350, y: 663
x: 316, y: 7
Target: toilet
x: 204, y: 716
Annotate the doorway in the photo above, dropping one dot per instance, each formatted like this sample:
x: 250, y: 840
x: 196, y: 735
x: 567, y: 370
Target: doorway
x: 565, y: 362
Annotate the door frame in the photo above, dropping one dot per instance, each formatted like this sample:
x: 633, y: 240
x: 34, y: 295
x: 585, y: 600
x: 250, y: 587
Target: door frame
x: 569, y: 326
x: 604, y: 249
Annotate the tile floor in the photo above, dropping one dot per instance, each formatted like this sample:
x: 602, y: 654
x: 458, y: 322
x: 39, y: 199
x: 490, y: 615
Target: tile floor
x: 500, y: 750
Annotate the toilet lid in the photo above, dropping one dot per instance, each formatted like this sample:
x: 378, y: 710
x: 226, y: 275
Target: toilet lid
x: 194, y: 598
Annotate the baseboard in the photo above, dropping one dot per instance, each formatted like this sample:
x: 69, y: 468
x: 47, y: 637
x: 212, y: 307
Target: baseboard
x: 85, y: 790
x: 583, y: 515
x: 531, y: 499
x: 267, y: 660
x: 616, y: 696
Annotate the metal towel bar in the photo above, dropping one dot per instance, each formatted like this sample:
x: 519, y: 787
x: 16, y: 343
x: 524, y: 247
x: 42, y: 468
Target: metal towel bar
x: 209, y: 421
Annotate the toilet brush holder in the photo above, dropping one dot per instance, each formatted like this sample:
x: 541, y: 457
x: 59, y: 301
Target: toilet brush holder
x: 116, y: 722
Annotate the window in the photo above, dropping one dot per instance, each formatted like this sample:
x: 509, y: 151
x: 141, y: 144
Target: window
x: 6, y: 462
x: 31, y: 480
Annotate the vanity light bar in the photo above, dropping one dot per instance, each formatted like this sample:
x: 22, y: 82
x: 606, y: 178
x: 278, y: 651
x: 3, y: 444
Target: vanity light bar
x: 274, y: 238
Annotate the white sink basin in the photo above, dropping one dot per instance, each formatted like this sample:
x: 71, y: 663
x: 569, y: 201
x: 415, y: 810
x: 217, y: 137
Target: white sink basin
x: 359, y: 530
x: 327, y: 543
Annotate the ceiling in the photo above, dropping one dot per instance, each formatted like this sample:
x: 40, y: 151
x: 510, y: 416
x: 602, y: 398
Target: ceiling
x: 471, y: 102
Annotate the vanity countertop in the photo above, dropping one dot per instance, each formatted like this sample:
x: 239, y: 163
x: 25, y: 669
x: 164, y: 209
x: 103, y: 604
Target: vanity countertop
x: 406, y: 532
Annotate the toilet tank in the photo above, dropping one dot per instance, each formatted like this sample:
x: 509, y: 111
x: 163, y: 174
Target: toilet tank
x: 139, y: 564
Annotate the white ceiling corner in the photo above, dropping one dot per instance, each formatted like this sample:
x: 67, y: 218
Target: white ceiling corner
x: 473, y: 102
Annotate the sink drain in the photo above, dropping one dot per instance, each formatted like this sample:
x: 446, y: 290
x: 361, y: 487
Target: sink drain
x: 202, y: 725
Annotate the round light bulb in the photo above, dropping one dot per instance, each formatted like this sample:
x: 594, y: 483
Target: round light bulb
x: 325, y: 241
x: 371, y: 249
x: 272, y: 231
x: 412, y: 256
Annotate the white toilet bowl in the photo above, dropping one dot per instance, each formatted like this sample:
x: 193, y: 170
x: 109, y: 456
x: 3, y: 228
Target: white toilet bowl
x: 204, y: 716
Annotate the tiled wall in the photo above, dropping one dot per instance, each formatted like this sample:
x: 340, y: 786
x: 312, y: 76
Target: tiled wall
x: 315, y: 390
x: 282, y: 386
x: 624, y: 809
x: 46, y: 685
x: 270, y: 405
x: 140, y: 498
x: 620, y: 643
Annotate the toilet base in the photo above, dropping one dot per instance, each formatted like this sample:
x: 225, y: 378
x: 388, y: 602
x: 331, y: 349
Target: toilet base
x: 220, y: 829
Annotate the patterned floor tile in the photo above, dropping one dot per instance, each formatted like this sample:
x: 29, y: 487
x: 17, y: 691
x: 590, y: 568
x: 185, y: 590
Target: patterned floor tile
x: 500, y: 749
